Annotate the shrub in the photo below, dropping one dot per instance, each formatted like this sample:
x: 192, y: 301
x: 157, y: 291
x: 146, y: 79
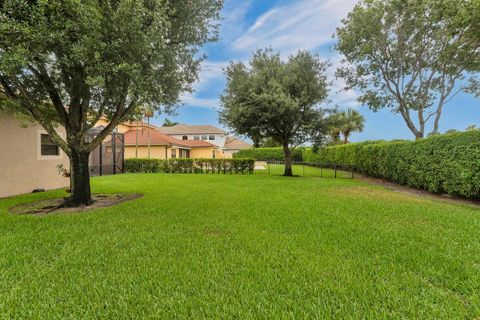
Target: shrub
x: 190, y: 165
x: 441, y: 163
x: 265, y: 154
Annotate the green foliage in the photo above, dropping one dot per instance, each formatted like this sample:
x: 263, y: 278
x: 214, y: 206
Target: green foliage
x: 169, y: 123
x: 408, y: 55
x: 70, y: 63
x: 442, y: 163
x: 190, y: 165
x: 268, y: 154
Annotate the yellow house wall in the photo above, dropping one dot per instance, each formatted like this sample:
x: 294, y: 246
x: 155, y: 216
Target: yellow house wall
x: 156, y: 152
x: 121, y: 127
x: 201, y: 152
x: 22, y: 168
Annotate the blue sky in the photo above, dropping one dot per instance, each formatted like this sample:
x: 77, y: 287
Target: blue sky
x: 288, y: 26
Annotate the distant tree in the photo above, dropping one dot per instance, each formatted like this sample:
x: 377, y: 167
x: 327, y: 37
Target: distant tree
x: 472, y: 128
x: 451, y: 131
x: 69, y: 63
x: 335, y: 123
x: 277, y: 99
x: 351, y: 121
x: 269, y: 143
x: 411, y: 55
x: 169, y: 123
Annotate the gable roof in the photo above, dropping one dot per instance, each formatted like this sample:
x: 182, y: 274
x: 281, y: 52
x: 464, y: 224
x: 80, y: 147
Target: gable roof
x: 159, y: 139
x: 234, y: 143
x: 156, y: 138
x: 191, y: 129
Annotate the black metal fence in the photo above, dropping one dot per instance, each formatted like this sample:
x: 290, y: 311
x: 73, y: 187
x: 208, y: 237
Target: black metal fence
x: 306, y: 169
x: 109, y: 156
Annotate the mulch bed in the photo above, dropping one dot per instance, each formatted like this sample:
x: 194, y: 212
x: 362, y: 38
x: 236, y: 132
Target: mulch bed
x: 51, y: 206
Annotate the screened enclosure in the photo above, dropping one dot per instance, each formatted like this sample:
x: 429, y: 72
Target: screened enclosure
x: 109, y: 156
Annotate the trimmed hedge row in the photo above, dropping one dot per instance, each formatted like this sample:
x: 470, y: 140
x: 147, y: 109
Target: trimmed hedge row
x: 264, y: 154
x: 448, y: 163
x: 190, y: 165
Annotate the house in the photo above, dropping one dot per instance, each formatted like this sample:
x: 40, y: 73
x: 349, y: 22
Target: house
x: 28, y: 158
x: 142, y: 140
x: 233, y: 145
x: 227, y: 145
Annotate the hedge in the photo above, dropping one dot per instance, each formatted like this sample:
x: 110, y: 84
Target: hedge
x: 265, y: 154
x: 190, y: 165
x: 448, y: 163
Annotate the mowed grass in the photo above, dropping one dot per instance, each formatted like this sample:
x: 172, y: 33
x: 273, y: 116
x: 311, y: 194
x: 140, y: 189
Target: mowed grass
x: 243, y: 247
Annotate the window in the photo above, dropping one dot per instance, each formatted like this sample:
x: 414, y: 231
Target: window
x: 213, y: 154
x: 184, y: 153
x: 196, y: 137
x: 204, y: 137
x: 184, y: 138
x: 47, y: 146
x: 211, y: 137
x: 174, y: 153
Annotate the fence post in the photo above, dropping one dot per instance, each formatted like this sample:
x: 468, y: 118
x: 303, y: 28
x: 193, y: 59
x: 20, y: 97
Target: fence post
x: 321, y: 171
x: 352, y: 173
x: 304, y: 169
x: 335, y: 167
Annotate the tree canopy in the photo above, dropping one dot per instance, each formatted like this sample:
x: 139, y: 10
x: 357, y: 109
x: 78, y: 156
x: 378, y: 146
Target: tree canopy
x: 169, y: 123
x: 412, y: 56
x: 272, y: 98
x: 69, y: 63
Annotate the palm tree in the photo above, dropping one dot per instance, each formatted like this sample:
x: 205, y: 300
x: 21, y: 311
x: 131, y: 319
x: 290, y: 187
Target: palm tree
x: 335, y: 126
x: 148, y: 113
x: 352, y: 121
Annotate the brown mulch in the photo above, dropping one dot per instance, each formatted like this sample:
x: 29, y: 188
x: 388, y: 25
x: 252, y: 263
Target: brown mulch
x: 54, y: 206
x: 420, y: 193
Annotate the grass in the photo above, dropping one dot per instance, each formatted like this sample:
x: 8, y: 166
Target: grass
x: 251, y: 246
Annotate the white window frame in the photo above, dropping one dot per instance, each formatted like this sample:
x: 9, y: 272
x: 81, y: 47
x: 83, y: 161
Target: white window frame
x: 39, y: 148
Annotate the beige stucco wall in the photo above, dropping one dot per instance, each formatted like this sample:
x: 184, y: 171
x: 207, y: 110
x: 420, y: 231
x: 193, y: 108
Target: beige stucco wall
x: 156, y: 152
x: 22, y: 168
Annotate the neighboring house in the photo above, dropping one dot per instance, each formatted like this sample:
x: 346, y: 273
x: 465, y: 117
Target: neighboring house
x: 233, y: 145
x: 228, y: 145
x: 162, y: 146
x: 28, y: 158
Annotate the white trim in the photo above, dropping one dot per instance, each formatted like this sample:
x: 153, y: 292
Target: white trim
x: 39, y: 147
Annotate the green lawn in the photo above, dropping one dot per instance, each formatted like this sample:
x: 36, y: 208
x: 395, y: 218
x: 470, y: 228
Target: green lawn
x: 242, y: 246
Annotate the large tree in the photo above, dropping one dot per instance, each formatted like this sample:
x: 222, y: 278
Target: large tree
x: 68, y: 63
x: 272, y: 98
x: 411, y: 55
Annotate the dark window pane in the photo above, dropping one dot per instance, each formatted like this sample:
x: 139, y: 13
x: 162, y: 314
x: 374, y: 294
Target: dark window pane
x: 204, y: 137
x: 47, y: 146
x: 211, y: 137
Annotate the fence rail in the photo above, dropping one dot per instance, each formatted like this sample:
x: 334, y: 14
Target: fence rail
x: 306, y: 169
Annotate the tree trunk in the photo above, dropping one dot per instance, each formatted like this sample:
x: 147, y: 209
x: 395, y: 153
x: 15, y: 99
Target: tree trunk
x: 79, y: 180
x: 345, y: 137
x: 288, y: 160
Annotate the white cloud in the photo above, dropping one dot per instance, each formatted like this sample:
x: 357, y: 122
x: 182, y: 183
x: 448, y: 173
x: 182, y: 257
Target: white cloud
x: 194, y: 101
x: 304, y: 24
x: 338, y: 95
